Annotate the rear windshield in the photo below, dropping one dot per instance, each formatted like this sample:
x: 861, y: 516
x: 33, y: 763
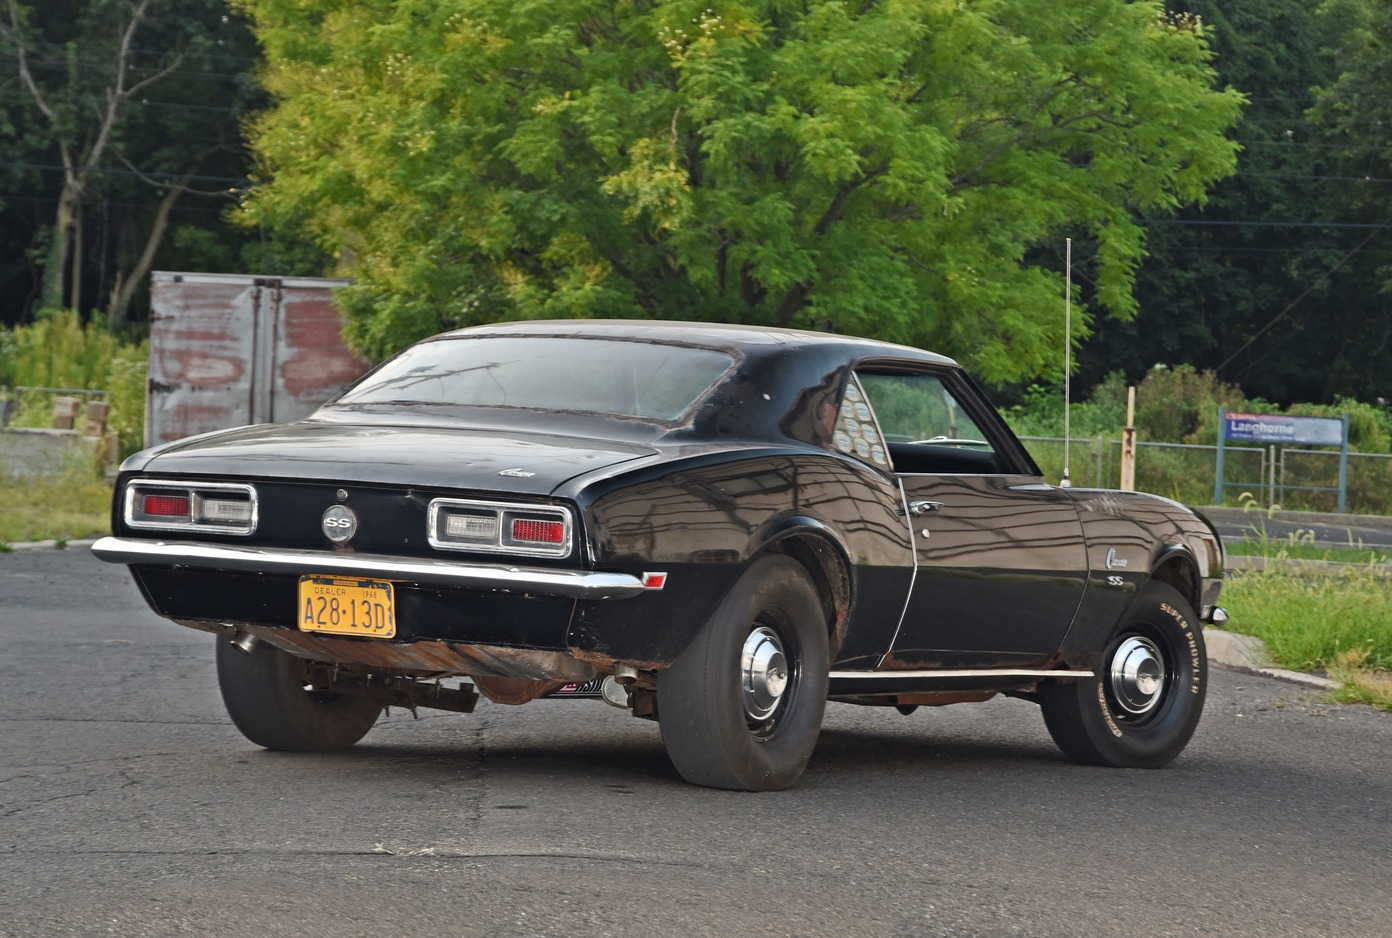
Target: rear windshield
x: 599, y: 376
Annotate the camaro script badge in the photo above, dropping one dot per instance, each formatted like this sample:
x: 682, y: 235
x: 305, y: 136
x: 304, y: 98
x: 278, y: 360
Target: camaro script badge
x: 517, y: 473
x: 339, y: 523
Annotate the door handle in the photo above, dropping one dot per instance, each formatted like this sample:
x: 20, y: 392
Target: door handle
x: 924, y: 507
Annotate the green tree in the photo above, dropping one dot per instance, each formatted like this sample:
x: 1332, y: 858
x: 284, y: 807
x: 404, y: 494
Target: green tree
x: 877, y: 168
x: 1273, y: 282
x: 119, y: 126
x: 1355, y: 111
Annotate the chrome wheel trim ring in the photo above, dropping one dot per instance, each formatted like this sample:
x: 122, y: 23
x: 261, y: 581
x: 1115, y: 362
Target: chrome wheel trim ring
x: 764, y: 674
x: 1137, y: 675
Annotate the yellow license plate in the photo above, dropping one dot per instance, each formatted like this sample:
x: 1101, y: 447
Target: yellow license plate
x: 343, y: 606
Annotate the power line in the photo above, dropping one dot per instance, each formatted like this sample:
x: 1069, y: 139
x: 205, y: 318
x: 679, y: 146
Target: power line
x: 178, y: 208
x: 1213, y: 249
x: 1367, y: 179
x: 1309, y: 145
x: 104, y: 68
x: 1258, y: 224
x: 102, y: 171
x: 22, y: 96
x: 1308, y: 290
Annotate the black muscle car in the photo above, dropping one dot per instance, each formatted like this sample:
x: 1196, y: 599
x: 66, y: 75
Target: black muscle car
x: 720, y: 528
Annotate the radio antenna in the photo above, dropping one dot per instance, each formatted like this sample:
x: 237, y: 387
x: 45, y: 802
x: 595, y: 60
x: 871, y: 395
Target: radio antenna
x: 1067, y: 353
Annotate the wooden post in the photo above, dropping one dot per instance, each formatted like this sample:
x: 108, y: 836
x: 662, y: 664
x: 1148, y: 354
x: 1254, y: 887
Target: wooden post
x: 1128, y: 444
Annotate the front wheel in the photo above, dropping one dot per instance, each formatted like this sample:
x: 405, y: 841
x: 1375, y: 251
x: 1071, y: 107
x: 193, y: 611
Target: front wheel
x: 742, y: 706
x: 1142, y: 706
x: 266, y: 697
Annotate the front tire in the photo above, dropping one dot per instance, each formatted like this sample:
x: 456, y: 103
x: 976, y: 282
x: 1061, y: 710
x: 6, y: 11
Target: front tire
x: 264, y: 691
x: 1141, y: 707
x: 742, y: 706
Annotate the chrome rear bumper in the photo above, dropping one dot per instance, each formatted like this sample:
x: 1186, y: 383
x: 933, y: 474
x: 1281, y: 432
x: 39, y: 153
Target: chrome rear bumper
x: 540, y: 581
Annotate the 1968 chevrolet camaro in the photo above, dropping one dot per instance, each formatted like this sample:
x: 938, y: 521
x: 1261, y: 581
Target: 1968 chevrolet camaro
x: 720, y: 528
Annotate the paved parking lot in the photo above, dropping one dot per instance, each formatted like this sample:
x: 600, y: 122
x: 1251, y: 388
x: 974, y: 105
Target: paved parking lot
x: 129, y: 805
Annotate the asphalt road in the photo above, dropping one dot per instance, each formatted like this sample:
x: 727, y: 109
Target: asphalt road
x: 1321, y: 530
x: 129, y: 805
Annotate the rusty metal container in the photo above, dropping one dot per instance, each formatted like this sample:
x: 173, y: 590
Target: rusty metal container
x: 233, y: 349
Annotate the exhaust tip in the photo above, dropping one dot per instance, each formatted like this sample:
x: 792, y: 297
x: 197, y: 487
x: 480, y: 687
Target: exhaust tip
x: 244, y: 642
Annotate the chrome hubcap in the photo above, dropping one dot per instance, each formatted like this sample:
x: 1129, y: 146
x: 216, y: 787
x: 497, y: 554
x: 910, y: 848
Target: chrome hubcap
x: 763, y: 673
x: 1137, y: 675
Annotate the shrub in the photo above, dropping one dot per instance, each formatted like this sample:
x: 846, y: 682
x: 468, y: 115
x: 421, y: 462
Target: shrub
x: 58, y: 351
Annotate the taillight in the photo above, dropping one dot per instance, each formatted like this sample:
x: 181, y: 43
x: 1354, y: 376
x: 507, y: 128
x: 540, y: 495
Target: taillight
x: 167, y: 506
x: 181, y: 506
x: 538, y: 532
x: 500, y: 527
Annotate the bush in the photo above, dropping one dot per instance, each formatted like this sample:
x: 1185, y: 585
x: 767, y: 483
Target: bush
x: 58, y: 351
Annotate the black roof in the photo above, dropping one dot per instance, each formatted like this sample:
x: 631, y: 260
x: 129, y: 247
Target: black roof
x: 751, y: 339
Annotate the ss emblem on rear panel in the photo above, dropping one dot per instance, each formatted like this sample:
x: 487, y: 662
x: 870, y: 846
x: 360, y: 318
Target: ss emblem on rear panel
x: 339, y: 523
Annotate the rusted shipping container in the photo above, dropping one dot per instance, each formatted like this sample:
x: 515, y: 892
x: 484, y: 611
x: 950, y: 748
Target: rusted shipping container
x: 233, y: 349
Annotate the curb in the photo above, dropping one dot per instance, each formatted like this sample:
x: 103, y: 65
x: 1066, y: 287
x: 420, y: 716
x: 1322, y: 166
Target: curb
x: 22, y: 546
x: 1246, y: 653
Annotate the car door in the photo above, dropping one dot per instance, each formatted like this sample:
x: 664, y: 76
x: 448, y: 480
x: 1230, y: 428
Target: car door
x: 1000, y: 564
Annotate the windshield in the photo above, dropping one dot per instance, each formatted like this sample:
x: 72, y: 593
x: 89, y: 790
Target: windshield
x: 600, y: 376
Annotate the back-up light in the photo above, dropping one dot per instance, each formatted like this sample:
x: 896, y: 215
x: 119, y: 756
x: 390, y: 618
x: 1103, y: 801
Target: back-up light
x: 191, y: 506
x: 500, y: 527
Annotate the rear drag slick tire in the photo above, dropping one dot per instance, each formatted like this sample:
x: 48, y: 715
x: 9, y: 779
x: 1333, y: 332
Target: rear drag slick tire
x: 742, y: 706
x: 264, y: 692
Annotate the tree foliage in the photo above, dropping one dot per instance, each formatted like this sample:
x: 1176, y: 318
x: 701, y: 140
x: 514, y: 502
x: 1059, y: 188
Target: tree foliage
x: 885, y: 168
x: 1274, y: 281
x: 119, y: 125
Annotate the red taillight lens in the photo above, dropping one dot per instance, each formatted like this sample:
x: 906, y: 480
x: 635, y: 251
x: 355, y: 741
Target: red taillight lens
x: 167, y: 506
x: 538, y: 532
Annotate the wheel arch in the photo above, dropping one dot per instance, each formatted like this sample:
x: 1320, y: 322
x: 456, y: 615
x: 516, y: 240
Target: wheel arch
x: 815, y: 546
x: 1177, y: 567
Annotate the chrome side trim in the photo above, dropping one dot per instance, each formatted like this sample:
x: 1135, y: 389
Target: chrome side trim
x: 913, y: 577
x: 571, y: 584
x: 946, y: 673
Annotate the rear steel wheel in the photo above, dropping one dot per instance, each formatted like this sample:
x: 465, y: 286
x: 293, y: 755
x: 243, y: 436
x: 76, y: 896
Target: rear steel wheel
x: 265, y: 694
x: 1144, y: 702
x: 742, y: 706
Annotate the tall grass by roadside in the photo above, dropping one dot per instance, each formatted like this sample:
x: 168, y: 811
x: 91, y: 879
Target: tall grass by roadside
x: 57, y: 350
x: 75, y: 503
x: 1338, y: 621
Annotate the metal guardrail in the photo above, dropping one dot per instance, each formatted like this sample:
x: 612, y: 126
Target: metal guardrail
x: 9, y: 398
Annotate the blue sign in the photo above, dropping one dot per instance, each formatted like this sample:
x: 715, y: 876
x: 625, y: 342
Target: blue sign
x: 1273, y: 428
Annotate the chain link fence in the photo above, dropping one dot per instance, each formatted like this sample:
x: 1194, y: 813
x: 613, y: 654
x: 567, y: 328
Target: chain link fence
x: 1294, y: 479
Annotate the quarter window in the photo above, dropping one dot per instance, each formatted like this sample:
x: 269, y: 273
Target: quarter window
x: 856, y: 433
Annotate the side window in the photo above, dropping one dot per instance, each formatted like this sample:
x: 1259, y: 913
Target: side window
x: 924, y: 429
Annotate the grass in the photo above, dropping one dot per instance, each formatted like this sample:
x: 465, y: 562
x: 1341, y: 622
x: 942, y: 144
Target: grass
x: 73, y: 504
x: 1340, y: 623
x: 1359, y: 683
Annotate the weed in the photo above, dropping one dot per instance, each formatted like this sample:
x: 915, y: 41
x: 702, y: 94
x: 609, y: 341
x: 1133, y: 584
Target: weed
x: 75, y: 503
x: 1308, y: 621
x: 1359, y: 682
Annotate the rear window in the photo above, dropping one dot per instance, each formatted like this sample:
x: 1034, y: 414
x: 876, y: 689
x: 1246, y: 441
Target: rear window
x: 599, y: 376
